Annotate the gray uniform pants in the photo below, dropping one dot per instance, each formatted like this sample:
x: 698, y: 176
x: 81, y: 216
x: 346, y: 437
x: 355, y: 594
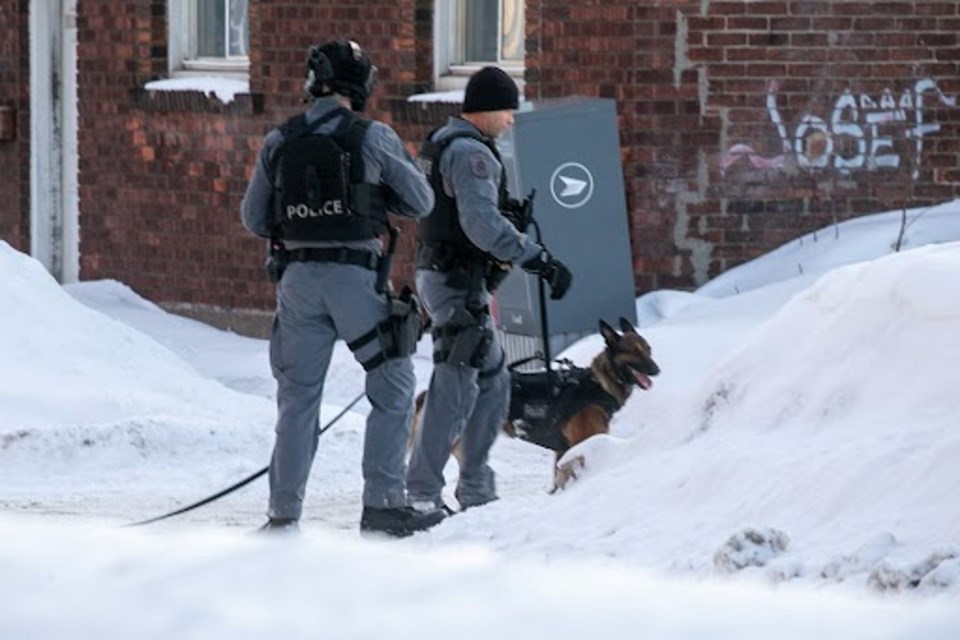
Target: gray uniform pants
x: 460, y: 402
x: 317, y: 303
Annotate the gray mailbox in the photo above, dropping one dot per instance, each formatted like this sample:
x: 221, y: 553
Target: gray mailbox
x: 569, y: 151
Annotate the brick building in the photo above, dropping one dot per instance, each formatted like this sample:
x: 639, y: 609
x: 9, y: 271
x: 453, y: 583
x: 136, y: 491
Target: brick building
x: 743, y: 123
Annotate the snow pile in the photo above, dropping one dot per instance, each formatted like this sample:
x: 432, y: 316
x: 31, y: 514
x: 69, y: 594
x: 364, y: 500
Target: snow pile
x: 824, y: 426
x: 77, y: 387
x: 802, y: 433
x: 212, y: 584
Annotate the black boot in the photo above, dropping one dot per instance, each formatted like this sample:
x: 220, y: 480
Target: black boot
x: 280, y: 525
x: 464, y: 507
x: 399, y: 522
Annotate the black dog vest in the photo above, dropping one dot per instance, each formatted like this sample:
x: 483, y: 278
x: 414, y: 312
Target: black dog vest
x: 540, y: 404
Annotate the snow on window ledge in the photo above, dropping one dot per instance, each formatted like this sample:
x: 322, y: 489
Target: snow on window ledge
x: 455, y: 96
x: 225, y: 89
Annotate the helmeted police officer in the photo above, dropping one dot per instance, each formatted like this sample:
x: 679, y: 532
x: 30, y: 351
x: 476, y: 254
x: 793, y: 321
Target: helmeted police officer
x: 321, y: 190
x: 464, y: 248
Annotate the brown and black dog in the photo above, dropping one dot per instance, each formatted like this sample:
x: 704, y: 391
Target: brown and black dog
x: 562, y: 408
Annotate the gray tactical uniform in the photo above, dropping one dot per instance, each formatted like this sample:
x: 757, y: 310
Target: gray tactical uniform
x: 320, y: 302
x: 462, y: 400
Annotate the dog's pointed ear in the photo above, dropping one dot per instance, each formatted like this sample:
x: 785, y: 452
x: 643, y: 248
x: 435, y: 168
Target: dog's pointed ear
x: 626, y: 326
x: 609, y: 334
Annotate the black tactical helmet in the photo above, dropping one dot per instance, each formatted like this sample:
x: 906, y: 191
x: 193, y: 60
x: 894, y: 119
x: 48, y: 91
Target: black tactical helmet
x: 340, y: 67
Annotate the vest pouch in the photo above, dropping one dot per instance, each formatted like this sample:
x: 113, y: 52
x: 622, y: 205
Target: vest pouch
x: 533, y: 411
x: 313, y: 185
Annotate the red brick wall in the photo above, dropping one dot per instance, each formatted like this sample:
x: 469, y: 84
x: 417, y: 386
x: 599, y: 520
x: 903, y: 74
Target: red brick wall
x: 15, y: 154
x: 861, y: 92
x: 163, y: 173
x: 710, y: 97
x: 702, y: 86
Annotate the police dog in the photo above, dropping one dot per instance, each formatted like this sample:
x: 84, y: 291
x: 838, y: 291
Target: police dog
x: 562, y: 408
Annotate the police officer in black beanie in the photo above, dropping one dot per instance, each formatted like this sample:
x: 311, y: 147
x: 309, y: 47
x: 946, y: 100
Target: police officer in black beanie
x: 461, y: 243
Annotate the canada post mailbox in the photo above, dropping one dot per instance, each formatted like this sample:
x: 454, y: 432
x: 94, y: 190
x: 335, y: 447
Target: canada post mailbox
x: 569, y: 151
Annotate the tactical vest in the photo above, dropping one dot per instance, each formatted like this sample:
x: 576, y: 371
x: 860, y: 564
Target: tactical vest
x: 444, y: 245
x: 540, y: 403
x: 319, y: 192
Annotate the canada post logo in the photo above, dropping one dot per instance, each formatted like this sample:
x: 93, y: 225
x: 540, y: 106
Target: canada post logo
x: 571, y: 185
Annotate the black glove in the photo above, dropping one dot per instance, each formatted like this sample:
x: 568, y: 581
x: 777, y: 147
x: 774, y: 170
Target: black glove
x: 551, y: 271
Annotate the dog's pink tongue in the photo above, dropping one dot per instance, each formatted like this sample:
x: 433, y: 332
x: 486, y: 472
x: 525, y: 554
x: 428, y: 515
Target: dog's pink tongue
x: 643, y: 380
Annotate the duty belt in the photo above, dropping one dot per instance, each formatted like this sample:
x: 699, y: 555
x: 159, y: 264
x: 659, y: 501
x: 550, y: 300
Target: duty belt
x: 341, y: 255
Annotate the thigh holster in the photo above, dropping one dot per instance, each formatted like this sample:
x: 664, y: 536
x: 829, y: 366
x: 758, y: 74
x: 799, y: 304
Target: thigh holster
x: 397, y: 335
x: 463, y: 341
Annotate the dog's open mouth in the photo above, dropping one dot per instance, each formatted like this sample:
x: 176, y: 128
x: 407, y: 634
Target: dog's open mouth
x: 643, y: 380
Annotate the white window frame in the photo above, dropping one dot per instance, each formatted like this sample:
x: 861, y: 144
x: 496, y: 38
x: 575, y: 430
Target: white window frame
x: 450, y: 72
x: 182, y: 46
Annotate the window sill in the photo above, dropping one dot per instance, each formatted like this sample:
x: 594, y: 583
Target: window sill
x: 215, y: 66
x: 241, y: 75
x: 457, y: 76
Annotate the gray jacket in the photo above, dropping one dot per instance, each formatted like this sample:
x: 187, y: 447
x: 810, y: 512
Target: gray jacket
x: 471, y: 175
x: 386, y: 162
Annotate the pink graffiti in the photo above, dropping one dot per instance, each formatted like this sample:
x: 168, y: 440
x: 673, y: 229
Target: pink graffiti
x: 739, y: 152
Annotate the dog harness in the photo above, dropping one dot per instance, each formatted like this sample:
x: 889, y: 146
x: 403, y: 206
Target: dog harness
x: 541, y: 403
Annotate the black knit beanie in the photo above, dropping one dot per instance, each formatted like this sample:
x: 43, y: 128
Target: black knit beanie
x: 490, y: 89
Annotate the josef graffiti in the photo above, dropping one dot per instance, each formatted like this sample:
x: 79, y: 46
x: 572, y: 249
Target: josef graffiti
x: 858, y: 136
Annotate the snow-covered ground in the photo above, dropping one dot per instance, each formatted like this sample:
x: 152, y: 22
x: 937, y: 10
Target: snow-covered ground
x: 792, y: 474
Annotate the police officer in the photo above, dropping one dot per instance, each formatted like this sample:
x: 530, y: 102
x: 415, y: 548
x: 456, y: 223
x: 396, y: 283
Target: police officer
x: 463, y: 248
x: 321, y: 188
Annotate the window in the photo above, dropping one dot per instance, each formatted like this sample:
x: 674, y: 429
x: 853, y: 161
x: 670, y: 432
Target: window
x: 208, y: 36
x: 472, y: 33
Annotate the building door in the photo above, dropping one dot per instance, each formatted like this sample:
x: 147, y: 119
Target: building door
x: 54, y: 193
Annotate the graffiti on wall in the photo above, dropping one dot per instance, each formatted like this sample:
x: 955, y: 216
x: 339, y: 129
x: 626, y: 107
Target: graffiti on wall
x: 859, y: 134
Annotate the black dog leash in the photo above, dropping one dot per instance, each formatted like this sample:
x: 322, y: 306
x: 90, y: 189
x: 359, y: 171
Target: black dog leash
x: 243, y: 482
x: 542, y: 300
